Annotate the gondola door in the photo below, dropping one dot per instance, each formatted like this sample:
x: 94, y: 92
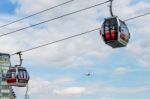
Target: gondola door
x: 23, y: 77
x: 124, y: 34
x: 11, y: 77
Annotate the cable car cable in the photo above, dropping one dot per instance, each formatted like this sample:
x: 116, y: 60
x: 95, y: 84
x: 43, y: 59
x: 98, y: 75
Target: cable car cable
x: 33, y: 48
x: 58, y: 41
x: 54, y: 19
x: 36, y: 13
x: 137, y: 16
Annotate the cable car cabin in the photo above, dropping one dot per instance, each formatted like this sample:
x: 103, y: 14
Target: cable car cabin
x: 115, y: 32
x: 17, y: 76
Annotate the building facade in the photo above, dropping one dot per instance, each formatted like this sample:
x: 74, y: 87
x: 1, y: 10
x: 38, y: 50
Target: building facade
x: 5, y: 90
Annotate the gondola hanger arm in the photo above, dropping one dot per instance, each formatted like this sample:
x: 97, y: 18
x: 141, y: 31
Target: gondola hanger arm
x: 110, y: 8
x: 20, y: 58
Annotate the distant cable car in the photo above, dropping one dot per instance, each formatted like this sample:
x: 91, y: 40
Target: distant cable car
x: 114, y: 32
x: 18, y: 75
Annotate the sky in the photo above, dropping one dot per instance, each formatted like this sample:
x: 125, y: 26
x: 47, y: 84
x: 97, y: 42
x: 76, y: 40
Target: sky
x: 59, y: 71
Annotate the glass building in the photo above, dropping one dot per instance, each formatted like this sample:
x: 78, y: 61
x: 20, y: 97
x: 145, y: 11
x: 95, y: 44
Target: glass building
x: 5, y: 90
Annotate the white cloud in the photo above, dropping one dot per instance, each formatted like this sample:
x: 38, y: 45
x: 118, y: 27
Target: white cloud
x: 141, y: 6
x: 41, y: 86
x: 70, y: 91
x: 141, y: 51
x: 125, y: 90
x: 64, y: 87
x: 121, y: 70
x: 110, y: 89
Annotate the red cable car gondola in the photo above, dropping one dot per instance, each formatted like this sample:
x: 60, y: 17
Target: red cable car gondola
x: 18, y: 75
x: 114, y: 32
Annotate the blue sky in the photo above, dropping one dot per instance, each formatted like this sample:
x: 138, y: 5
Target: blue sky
x: 6, y: 6
x: 58, y: 71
